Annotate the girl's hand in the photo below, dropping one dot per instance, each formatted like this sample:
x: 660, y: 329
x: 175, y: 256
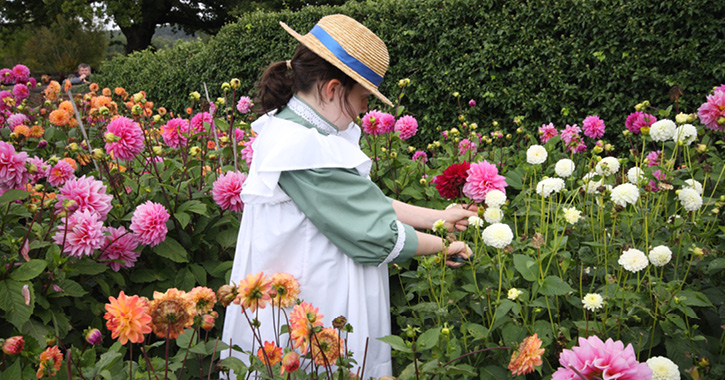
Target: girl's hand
x: 458, y: 249
x: 457, y: 217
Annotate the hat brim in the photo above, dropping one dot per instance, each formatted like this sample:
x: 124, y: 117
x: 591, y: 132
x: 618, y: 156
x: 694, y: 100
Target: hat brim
x: 312, y: 43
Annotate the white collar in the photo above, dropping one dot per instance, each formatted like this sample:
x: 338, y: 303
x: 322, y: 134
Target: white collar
x: 310, y: 115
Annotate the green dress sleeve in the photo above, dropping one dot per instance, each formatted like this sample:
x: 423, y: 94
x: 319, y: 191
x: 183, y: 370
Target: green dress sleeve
x: 352, y: 213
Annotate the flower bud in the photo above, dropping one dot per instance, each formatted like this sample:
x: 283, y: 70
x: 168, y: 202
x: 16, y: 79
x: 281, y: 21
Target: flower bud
x: 701, y: 148
x: 136, y: 109
x: 495, y: 123
x: 13, y: 345
x: 38, y: 187
x: 156, y: 118
x: 157, y: 150
x: 471, y: 103
x: 212, y: 156
x: 194, y: 96
x: 235, y: 83
x: 508, y: 136
x: 691, y: 117
x: 339, y: 322
x: 290, y: 362
x: 721, y: 120
x: 456, y: 94
x: 474, y: 125
x: 645, y: 103
x: 644, y: 130
x: 93, y: 336
x: 608, y: 147
x: 194, y: 151
x: 109, y: 137
x: 401, y: 83
x: 224, y: 139
x: 446, y: 331
x: 430, y: 146
x: 207, y: 322
x: 73, y: 147
x: 411, y: 149
x: 461, y: 118
x: 221, y: 101
x: 681, y: 118
x: 104, y: 111
x: 32, y: 208
x: 454, y: 131
x: 423, y: 181
x: 42, y: 144
x: 393, y: 154
x: 597, y: 149
x: 226, y: 294
x: 437, y: 144
x: 97, y: 153
x: 137, y: 97
x: 626, y: 132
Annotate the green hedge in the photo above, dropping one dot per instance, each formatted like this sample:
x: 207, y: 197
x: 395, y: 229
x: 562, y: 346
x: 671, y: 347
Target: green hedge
x: 531, y: 58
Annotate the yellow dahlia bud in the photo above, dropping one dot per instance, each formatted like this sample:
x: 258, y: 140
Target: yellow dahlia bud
x: 597, y: 149
x: 137, y: 97
x: 454, y: 131
x: 383, y: 149
x: 194, y: 151
x: 73, y: 147
x: 644, y: 130
x: 456, y: 94
x: 136, y: 109
x: 401, y: 83
x: 495, y: 123
x: 226, y: 294
x: 157, y: 150
x: 430, y: 146
x: 691, y: 117
x: 457, y: 140
x: 104, y: 111
x: 681, y: 118
x: 423, y: 181
x: 626, y: 132
x: 97, y: 153
x: 608, y: 147
x: 226, y: 86
x: 437, y: 144
x: 224, y: 139
x: 474, y: 125
x: 519, y: 130
x: 508, y: 136
x: 393, y: 154
x: 701, y: 148
x: 156, y: 118
x: 461, y: 118
x: 212, y: 156
x: 721, y: 120
x: 638, y: 107
x: 221, y: 101
x: 32, y: 207
x: 194, y: 96
x: 411, y: 149
x: 235, y: 83
x: 38, y: 187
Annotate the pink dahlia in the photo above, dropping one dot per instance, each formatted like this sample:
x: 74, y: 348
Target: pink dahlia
x: 712, y: 112
x: 149, y: 223
x: 119, y: 249
x: 569, y: 133
x: 407, y: 126
x: 244, y: 104
x: 41, y: 170
x: 21, y: 92
x: 653, y: 158
x: 12, y: 167
x: 21, y: 73
x: 31, y: 83
x: 420, y: 156
x: 80, y: 234
x: 129, y: 141
x: 606, y: 360
x: 60, y: 173
x: 16, y: 119
x: 175, y: 131
x: 720, y: 88
x: 227, y: 191
x: 638, y: 120
x: 87, y: 193
x: 6, y: 99
x: 6, y: 76
x: 547, y: 131
x: 378, y: 123
x: 197, y: 122
x: 482, y: 178
x: 465, y: 145
x: 248, y: 151
x: 593, y: 127
x: 238, y: 134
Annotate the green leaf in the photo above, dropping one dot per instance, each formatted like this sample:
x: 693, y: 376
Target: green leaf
x: 106, y: 360
x: 12, y: 373
x: 692, y: 298
x: 88, y: 267
x: 199, y: 273
x: 172, y: 250
x: 428, y: 339
x: 13, y: 302
x: 237, y: 366
x: 29, y: 270
x: 396, y: 343
x: 71, y: 288
x: 228, y: 237
x: 183, y: 218
x: 193, y: 206
x: 526, y: 266
x: 13, y: 195
x: 515, y: 179
x: 477, y: 331
x: 554, y: 286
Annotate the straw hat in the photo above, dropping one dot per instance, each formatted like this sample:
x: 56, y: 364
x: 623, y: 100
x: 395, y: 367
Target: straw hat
x: 349, y: 46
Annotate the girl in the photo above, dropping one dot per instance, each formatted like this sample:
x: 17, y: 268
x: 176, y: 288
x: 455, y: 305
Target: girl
x: 310, y: 209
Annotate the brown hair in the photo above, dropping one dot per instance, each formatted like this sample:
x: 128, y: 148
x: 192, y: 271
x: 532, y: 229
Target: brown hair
x: 278, y: 83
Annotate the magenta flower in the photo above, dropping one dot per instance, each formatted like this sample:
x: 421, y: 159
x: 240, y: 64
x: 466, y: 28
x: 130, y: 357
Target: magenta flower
x: 570, y: 133
x: 6, y: 97
x: 31, y: 83
x: 149, y: 223
x: 547, y: 131
x: 471, y: 103
x: 16, y: 119
x: 378, y: 123
x: 420, y: 156
x: 712, y: 112
x: 227, y: 191
x: 42, y: 169
x: 248, y: 151
x: 21, y: 73
x: 175, y: 131
x: 465, y: 145
x: 407, y: 126
x: 60, y: 173
x: 93, y: 336
x: 21, y: 92
x: 119, y: 249
x: 659, y: 175
x: 244, y: 105
x: 197, y: 122
x: 129, y: 141
x: 482, y: 178
x: 653, y: 158
x: 6, y: 76
x: 80, y: 234
x: 606, y: 360
x: 238, y: 134
x: 638, y: 120
x: 593, y: 127
x: 12, y: 167
x: 87, y: 194
x: 720, y: 88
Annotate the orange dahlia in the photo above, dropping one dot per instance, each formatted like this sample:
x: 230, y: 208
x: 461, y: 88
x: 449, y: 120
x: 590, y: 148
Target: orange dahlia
x: 50, y: 361
x: 161, y: 111
x: 326, y: 347
x: 106, y: 91
x: 287, y: 288
x: 67, y: 85
x: 37, y: 131
x: 527, y: 356
x: 72, y: 163
x: 274, y: 353
x: 100, y: 101
x: 21, y: 129
x: 59, y: 117
x: 253, y: 291
x: 203, y: 299
x: 66, y: 106
x: 52, y: 90
x: 303, y: 319
x: 93, y: 87
x: 171, y: 313
x: 72, y: 123
x: 127, y: 318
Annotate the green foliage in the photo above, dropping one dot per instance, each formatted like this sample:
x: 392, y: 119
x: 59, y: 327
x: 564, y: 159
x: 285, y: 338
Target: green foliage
x: 548, y: 61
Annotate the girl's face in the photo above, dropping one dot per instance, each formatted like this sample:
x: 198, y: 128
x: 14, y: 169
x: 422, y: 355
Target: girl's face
x: 357, y: 103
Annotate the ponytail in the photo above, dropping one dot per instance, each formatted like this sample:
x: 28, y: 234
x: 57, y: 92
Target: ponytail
x: 275, y: 88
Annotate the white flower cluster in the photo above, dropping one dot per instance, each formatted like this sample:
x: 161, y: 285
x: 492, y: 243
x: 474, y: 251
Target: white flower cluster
x: 690, y: 199
x: 547, y: 186
x: 493, y: 215
x: 695, y: 185
x: 536, y: 155
x: 590, y: 185
x: 663, y: 368
x: 662, y: 130
x: 572, y: 215
x: 593, y: 301
x: 514, y: 294
x: 625, y: 194
x: 497, y: 235
x: 686, y: 133
x: 495, y: 198
x: 635, y: 175
x: 633, y: 260
x: 564, y: 167
x: 660, y: 255
x: 607, y: 166
x: 475, y: 221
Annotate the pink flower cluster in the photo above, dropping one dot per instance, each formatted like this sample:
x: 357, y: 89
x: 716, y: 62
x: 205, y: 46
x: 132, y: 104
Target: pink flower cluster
x: 638, y: 120
x: 465, y: 145
x: 86, y: 193
x: 547, y: 131
x: 593, y: 127
x: 227, y: 191
x: 129, y: 139
x: 197, y: 122
x: 379, y: 123
x: 572, y: 140
x: 16, y: 119
x: 119, y: 250
x: 175, y: 132
x: 18, y: 74
x: 653, y: 158
x: 482, y: 178
x: 596, y: 359
x: 420, y: 156
x: 80, y: 234
x: 13, y: 173
x: 60, y: 173
x: 407, y: 126
x: 42, y: 169
x: 712, y: 112
x: 149, y: 223
x: 244, y: 105
x: 248, y: 151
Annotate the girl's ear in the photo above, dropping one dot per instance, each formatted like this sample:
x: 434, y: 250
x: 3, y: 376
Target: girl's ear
x: 331, y: 89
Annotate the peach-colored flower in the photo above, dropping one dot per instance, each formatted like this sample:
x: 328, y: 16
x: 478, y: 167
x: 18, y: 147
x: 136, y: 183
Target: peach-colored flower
x: 101, y: 101
x: 274, y: 353
x: 326, y: 347
x: 127, y: 318
x: 37, y: 131
x: 50, y: 362
x: 67, y: 85
x: 287, y: 288
x: 22, y: 130
x: 59, y: 117
x: 526, y: 356
x: 253, y: 291
x: 303, y: 319
x: 203, y: 299
x: 171, y: 313
x: 72, y: 163
x: 106, y: 91
x: 66, y: 106
x: 52, y: 90
x: 93, y: 87
x: 290, y: 362
x: 161, y: 111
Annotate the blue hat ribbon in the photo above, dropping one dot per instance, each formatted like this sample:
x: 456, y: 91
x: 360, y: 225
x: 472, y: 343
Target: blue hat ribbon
x: 345, y: 57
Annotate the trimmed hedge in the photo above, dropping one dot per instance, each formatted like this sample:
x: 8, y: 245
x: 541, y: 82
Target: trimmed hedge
x: 532, y: 58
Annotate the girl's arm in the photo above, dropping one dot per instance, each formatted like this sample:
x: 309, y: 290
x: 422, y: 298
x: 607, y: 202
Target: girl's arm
x: 423, y: 218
